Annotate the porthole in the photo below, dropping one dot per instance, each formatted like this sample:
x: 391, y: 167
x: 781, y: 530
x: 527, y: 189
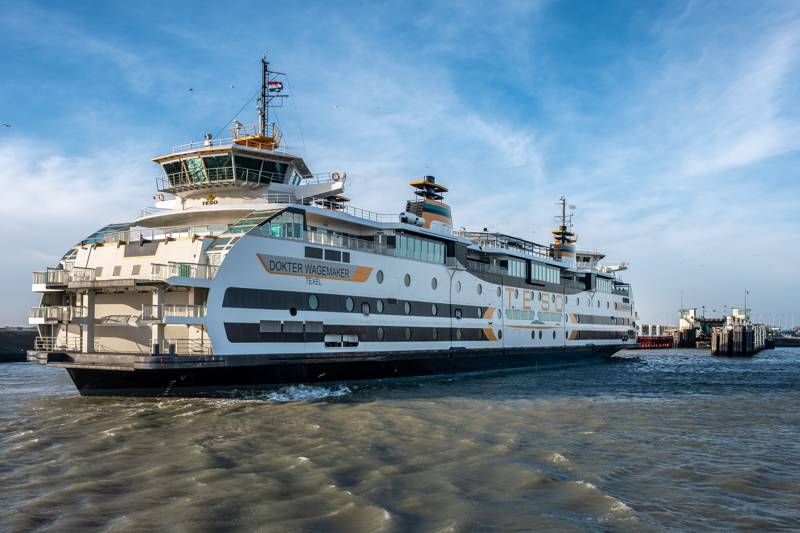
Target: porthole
x: 293, y: 311
x: 499, y: 314
x: 379, y: 305
x: 577, y: 301
x: 407, y: 308
x: 407, y: 334
x: 434, y: 283
x: 479, y: 312
x: 533, y: 335
x: 349, y: 304
x: 554, y: 334
x: 566, y: 299
x: 458, y: 334
x: 553, y: 298
x: 499, y: 291
x: 435, y: 334
x: 540, y: 334
x: 480, y: 288
x: 407, y: 280
x: 578, y: 319
x: 540, y: 296
x: 608, y: 304
x: 365, y: 308
x: 458, y: 286
x: 380, y: 333
x: 379, y: 276
x: 598, y: 304
x: 516, y: 293
x: 313, y: 301
x: 434, y: 309
x: 500, y: 334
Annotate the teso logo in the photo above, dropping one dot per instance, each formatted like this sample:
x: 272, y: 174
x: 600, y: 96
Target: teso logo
x: 210, y: 200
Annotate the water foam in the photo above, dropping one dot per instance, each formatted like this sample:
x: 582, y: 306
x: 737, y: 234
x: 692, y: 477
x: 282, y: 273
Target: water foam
x: 305, y: 393
x: 558, y: 459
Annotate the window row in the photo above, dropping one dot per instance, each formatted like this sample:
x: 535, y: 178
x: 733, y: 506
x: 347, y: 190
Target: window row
x: 420, y: 249
x: 517, y: 268
x: 604, y: 285
x: 546, y: 273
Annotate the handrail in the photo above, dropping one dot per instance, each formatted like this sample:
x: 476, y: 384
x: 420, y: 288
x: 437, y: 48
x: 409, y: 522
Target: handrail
x: 185, y: 347
x: 83, y: 274
x: 61, y: 313
x: 52, y: 276
x: 162, y: 233
x: 161, y: 311
x: 52, y: 344
x: 160, y: 271
x: 221, y: 175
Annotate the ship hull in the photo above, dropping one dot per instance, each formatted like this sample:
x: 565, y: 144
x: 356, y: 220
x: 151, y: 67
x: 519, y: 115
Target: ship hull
x: 361, y: 367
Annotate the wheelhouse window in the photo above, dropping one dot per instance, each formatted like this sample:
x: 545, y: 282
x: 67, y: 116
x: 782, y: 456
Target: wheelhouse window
x: 219, y: 167
x: 195, y: 170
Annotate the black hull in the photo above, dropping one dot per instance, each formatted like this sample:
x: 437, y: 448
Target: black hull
x: 205, y: 380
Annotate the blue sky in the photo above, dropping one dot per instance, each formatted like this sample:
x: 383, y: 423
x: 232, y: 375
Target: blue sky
x: 674, y: 126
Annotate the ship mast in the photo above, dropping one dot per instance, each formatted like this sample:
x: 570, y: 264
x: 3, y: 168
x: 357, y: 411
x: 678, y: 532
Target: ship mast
x: 564, y: 233
x: 269, y: 91
x: 263, y: 108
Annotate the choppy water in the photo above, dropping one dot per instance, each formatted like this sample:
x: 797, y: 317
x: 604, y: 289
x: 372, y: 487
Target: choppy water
x: 668, y: 440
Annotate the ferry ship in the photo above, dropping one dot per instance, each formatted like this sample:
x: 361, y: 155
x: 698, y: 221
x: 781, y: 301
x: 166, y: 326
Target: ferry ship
x: 251, y: 271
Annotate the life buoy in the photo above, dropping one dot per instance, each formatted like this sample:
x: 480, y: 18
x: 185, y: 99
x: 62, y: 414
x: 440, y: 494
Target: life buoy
x: 335, y: 176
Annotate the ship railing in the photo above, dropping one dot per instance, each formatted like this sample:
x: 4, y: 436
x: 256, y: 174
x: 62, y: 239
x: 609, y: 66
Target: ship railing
x: 186, y: 347
x: 345, y: 241
x: 477, y: 266
x: 160, y: 271
x: 623, y: 290
x: 325, y: 177
x: 244, y: 132
x: 144, y: 235
x: 209, y: 177
x: 58, y: 313
x: 161, y: 311
x: 83, y: 274
x: 52, y: 276
x: 57, y: 344
x: 504, y: 242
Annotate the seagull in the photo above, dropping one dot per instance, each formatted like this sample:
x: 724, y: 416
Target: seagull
x: 6, y: 125
x: 190, y: 89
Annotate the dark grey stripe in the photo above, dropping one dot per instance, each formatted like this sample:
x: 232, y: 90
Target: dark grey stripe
x: 249, y: 332
x: 271, y: 299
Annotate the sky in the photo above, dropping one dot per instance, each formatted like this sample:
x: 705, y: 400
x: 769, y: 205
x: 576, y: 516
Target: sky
x: 672, y: 126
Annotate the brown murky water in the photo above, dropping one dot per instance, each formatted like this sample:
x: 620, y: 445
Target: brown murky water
x: 671, y: 440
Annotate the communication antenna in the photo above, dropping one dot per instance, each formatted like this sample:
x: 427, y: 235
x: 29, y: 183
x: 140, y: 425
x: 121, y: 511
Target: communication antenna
x: 270, y: 89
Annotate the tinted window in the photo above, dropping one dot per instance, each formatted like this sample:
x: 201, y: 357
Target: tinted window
x: 313, y: 253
